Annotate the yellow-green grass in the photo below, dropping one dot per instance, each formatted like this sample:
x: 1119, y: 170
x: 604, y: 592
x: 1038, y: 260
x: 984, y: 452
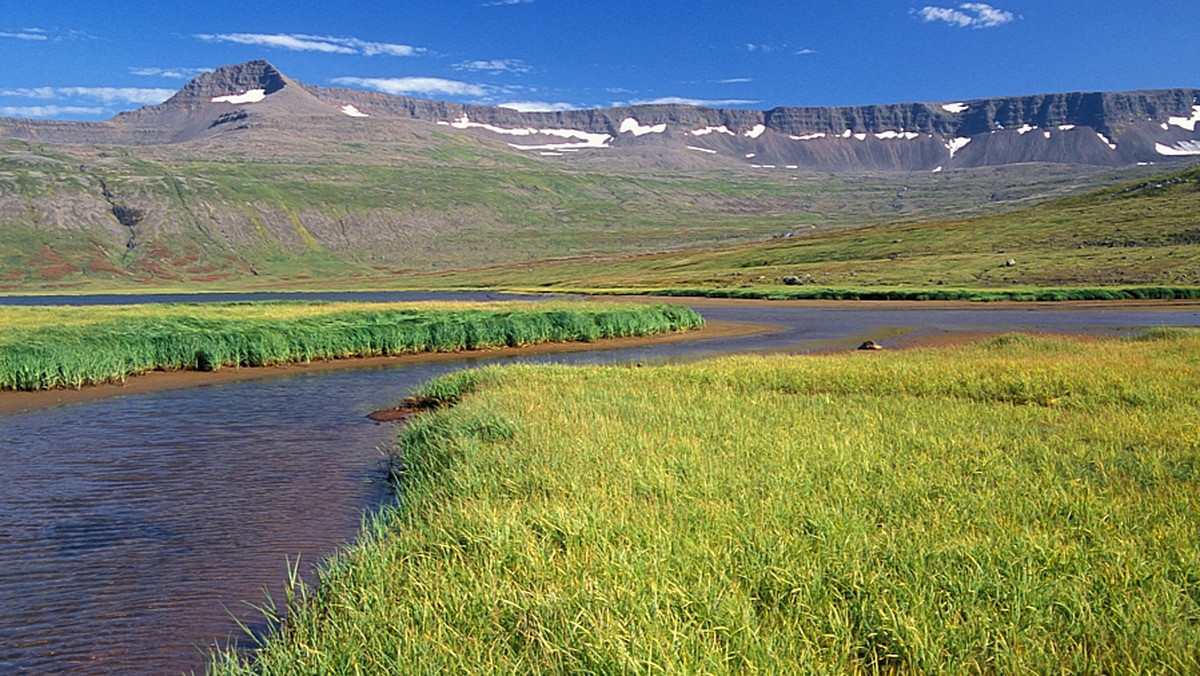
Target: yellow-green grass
x: 46, y: 347
x: 1021, y: 506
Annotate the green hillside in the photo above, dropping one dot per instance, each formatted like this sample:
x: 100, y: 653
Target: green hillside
x: 272, y: 213
x: 1144, y: 234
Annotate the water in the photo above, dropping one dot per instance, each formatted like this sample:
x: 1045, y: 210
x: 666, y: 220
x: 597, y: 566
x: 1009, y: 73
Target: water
x: 132, y: 529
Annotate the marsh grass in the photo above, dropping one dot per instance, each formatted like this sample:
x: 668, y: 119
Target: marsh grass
x: 1026, y: 505
x: 42, y: 348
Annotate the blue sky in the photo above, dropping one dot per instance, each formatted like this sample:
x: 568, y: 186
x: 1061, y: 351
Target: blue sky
x: 89, y: 60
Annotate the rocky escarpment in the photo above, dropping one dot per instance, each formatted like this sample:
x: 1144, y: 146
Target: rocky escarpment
x: 1091, y: 128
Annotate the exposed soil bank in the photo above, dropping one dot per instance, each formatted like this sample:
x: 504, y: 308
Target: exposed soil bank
x: 16, y: 402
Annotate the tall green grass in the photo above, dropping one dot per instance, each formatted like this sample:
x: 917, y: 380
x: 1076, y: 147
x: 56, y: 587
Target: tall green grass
x: 1026, y: 505
x: 43, y: 348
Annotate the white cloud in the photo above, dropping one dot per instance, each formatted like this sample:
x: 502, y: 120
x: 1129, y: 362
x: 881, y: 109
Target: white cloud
x: 106, y: 95
x: 314, y: 43
x: 413, y: 85
x: 680, y: 100
x: 734, y: 80
x: 174, y: 73
x: 494, y: 66
x: 805, y: 51
x: 27, y: 34
x: 968, y: 15
x: 538, y: 106
x: 47, y: 111
x: 504, y: 3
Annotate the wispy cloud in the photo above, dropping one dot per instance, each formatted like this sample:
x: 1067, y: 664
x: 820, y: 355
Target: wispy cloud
x: 967, y: 15
x: 26, y: 34
x: 681, y: 100
x: 494, y: 66
x: 414, y: 85
x: 48, y: 111
x: 733, y: 80
x: 314, y: 43
x: 804, y: 51
x: 504, y: 3
x: 106, y: 95
x: 173, y: 73
x: 538, y: 106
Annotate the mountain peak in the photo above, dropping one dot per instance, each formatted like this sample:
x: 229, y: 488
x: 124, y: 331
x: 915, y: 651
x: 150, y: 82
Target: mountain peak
x: 234, y: 80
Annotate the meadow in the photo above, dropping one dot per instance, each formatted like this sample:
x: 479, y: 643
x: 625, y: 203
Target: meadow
x: 47, y: 347
x: 1023, y: 505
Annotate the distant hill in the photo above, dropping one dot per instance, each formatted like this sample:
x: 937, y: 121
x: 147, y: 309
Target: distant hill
x: 246, y: 177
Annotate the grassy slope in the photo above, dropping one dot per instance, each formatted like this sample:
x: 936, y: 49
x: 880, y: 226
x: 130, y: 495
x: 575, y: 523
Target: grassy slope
x: 1145, y: 233
x: 46, y: 347
x: 1024, y: 506
x: 271, y: 215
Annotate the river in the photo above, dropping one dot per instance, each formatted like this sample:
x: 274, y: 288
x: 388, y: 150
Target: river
x: 133, y: 529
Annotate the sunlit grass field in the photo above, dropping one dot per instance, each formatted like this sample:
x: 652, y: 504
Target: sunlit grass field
x: 1026, y: 505
x: 46, y: 347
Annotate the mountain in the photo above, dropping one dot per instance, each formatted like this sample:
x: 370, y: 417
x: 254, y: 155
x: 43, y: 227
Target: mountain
x: 247, y: 177
x: 1089, y: 128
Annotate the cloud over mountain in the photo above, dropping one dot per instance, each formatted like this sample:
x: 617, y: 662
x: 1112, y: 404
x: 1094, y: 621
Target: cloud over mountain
x: 413, y: 85
x: 314, y: 43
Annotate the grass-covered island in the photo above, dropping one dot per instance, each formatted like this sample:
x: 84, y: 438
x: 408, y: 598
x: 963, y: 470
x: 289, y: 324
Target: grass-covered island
x: 1024, y: 505
x: 57, y: 346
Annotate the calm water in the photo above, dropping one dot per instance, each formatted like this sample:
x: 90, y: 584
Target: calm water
x: 132, y: 528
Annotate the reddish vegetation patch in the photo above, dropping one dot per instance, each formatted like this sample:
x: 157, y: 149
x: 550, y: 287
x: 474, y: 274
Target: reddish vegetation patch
x: 56, y: 272
x: 209, y: 278
x: 12, y: 275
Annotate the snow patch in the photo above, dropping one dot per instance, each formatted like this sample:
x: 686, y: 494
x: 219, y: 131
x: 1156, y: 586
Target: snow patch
x: 550, y: 153
x: 580, y: 139
x: 1025, y: 129
x: 1110, y: 144
x: 251, y: 96
x: 906, y: 135
x: 750, y: 156
x: 955, y: 108
x: 936, y: 170
x: 630, y: 125
x: 1165, y: 126
x: 861, y: 137
x: 703, y: 150
x: 1179, y: 149
x: 792, y: 166
x: 808, y: 137
x: 756, y: 131
x: 712, y: 130
x: 1188, y: 123
x: 1046, y: 134
x: 352, y: 111
x: 1066, y: 127
x: 847, y: 134
x: 957, y: 144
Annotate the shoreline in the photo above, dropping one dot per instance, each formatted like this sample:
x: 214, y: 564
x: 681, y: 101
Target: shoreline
x: 13, y: 402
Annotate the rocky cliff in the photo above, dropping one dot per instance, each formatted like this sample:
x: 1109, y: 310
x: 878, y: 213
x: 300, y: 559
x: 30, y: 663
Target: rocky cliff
x: 1091, y: 128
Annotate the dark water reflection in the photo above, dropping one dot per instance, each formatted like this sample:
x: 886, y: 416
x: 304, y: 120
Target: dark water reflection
x: 131, y: 527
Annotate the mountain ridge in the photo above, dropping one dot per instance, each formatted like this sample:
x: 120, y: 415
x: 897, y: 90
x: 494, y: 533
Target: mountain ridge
x: 1092, y: 128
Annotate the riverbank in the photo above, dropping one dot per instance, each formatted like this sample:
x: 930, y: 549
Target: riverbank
x: 12, y: 402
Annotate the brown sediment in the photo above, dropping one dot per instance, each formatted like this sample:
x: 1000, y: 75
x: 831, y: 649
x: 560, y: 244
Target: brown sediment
x: 17, y: 402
